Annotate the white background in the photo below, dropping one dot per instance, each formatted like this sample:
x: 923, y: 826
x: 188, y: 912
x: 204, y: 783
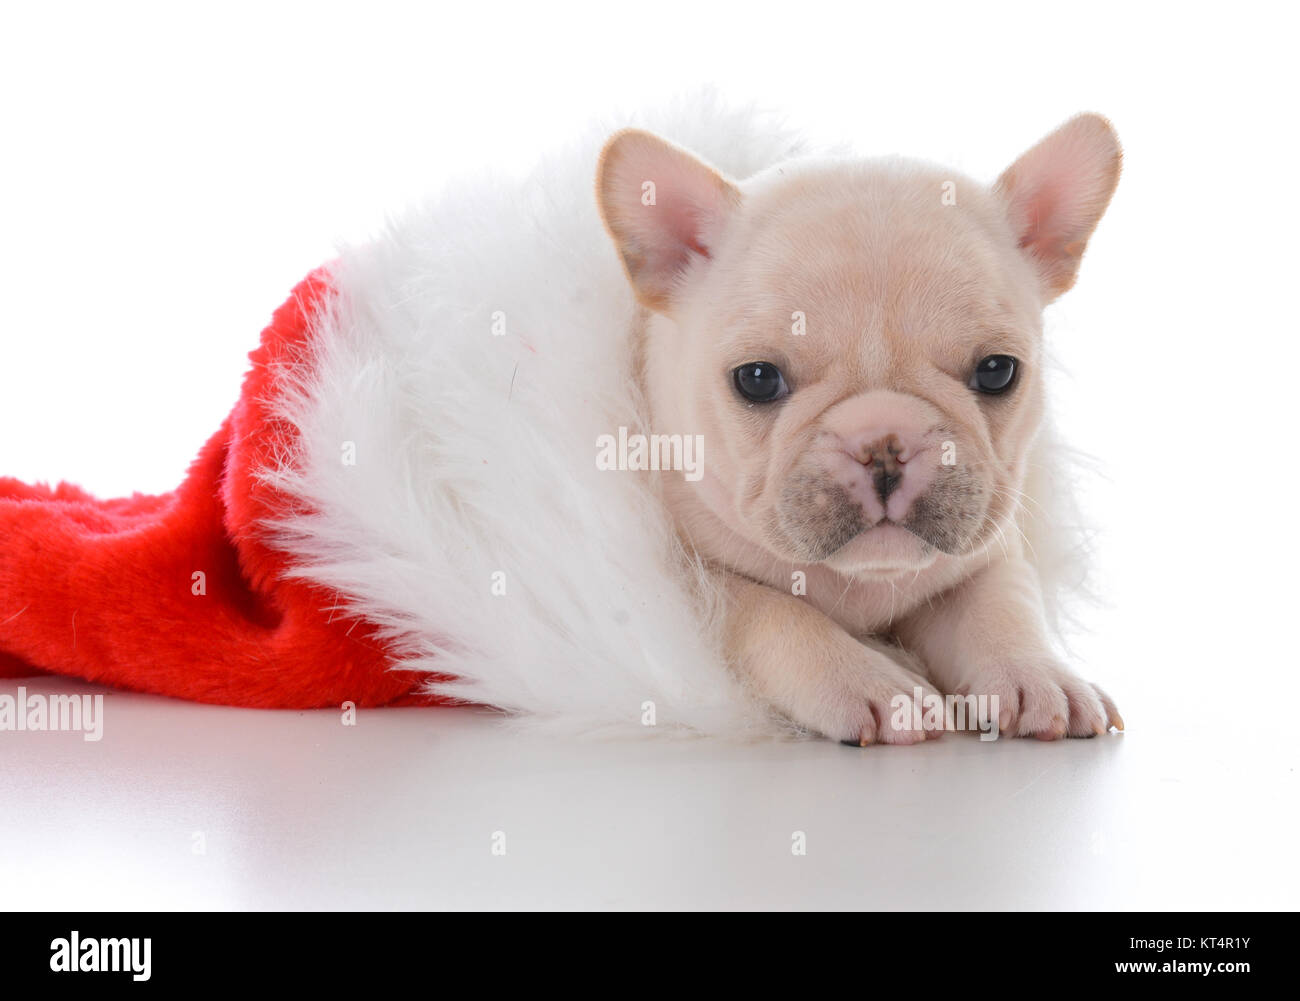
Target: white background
x: 167, y: 175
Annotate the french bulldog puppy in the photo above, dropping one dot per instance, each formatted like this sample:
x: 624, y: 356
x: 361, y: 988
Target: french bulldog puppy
x: 859, y: 343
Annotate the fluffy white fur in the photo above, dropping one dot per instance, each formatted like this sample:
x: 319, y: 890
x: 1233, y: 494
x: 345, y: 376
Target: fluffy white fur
x: 475, y: 454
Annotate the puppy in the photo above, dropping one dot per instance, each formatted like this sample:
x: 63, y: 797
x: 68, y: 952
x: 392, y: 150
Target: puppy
x: 859, y: 346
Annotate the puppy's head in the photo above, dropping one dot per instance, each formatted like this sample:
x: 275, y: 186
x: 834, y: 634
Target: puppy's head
x: 858, y: 342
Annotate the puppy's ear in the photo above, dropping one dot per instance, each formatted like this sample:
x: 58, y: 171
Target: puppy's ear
x: 664, y: 208
x: 1055, y: 195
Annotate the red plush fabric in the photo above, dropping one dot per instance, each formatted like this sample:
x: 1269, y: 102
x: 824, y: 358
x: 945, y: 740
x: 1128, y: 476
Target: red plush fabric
x: 105, y: 589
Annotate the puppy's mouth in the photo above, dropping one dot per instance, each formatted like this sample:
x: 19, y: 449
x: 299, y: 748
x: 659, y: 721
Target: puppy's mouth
x: 849, y: 544
x: 825, y: 524
x: 886, y: 547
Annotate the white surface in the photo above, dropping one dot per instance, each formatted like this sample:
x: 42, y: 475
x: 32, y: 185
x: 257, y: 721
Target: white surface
x: 169, y: 176
x: 298, y: 811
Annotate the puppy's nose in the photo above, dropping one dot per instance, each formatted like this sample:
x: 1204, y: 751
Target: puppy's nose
x: 884, y: 458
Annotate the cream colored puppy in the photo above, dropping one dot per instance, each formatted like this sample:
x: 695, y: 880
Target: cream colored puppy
x: 859, y: 345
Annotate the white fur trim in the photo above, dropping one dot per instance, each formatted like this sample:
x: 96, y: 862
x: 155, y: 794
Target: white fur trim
x: 476, y: 454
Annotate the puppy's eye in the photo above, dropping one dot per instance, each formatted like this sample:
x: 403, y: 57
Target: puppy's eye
x: 994, y: 374
x: 760, y: 382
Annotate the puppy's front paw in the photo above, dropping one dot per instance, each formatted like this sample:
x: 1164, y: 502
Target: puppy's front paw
x: 1043, y: 699
x: 875, y: 702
